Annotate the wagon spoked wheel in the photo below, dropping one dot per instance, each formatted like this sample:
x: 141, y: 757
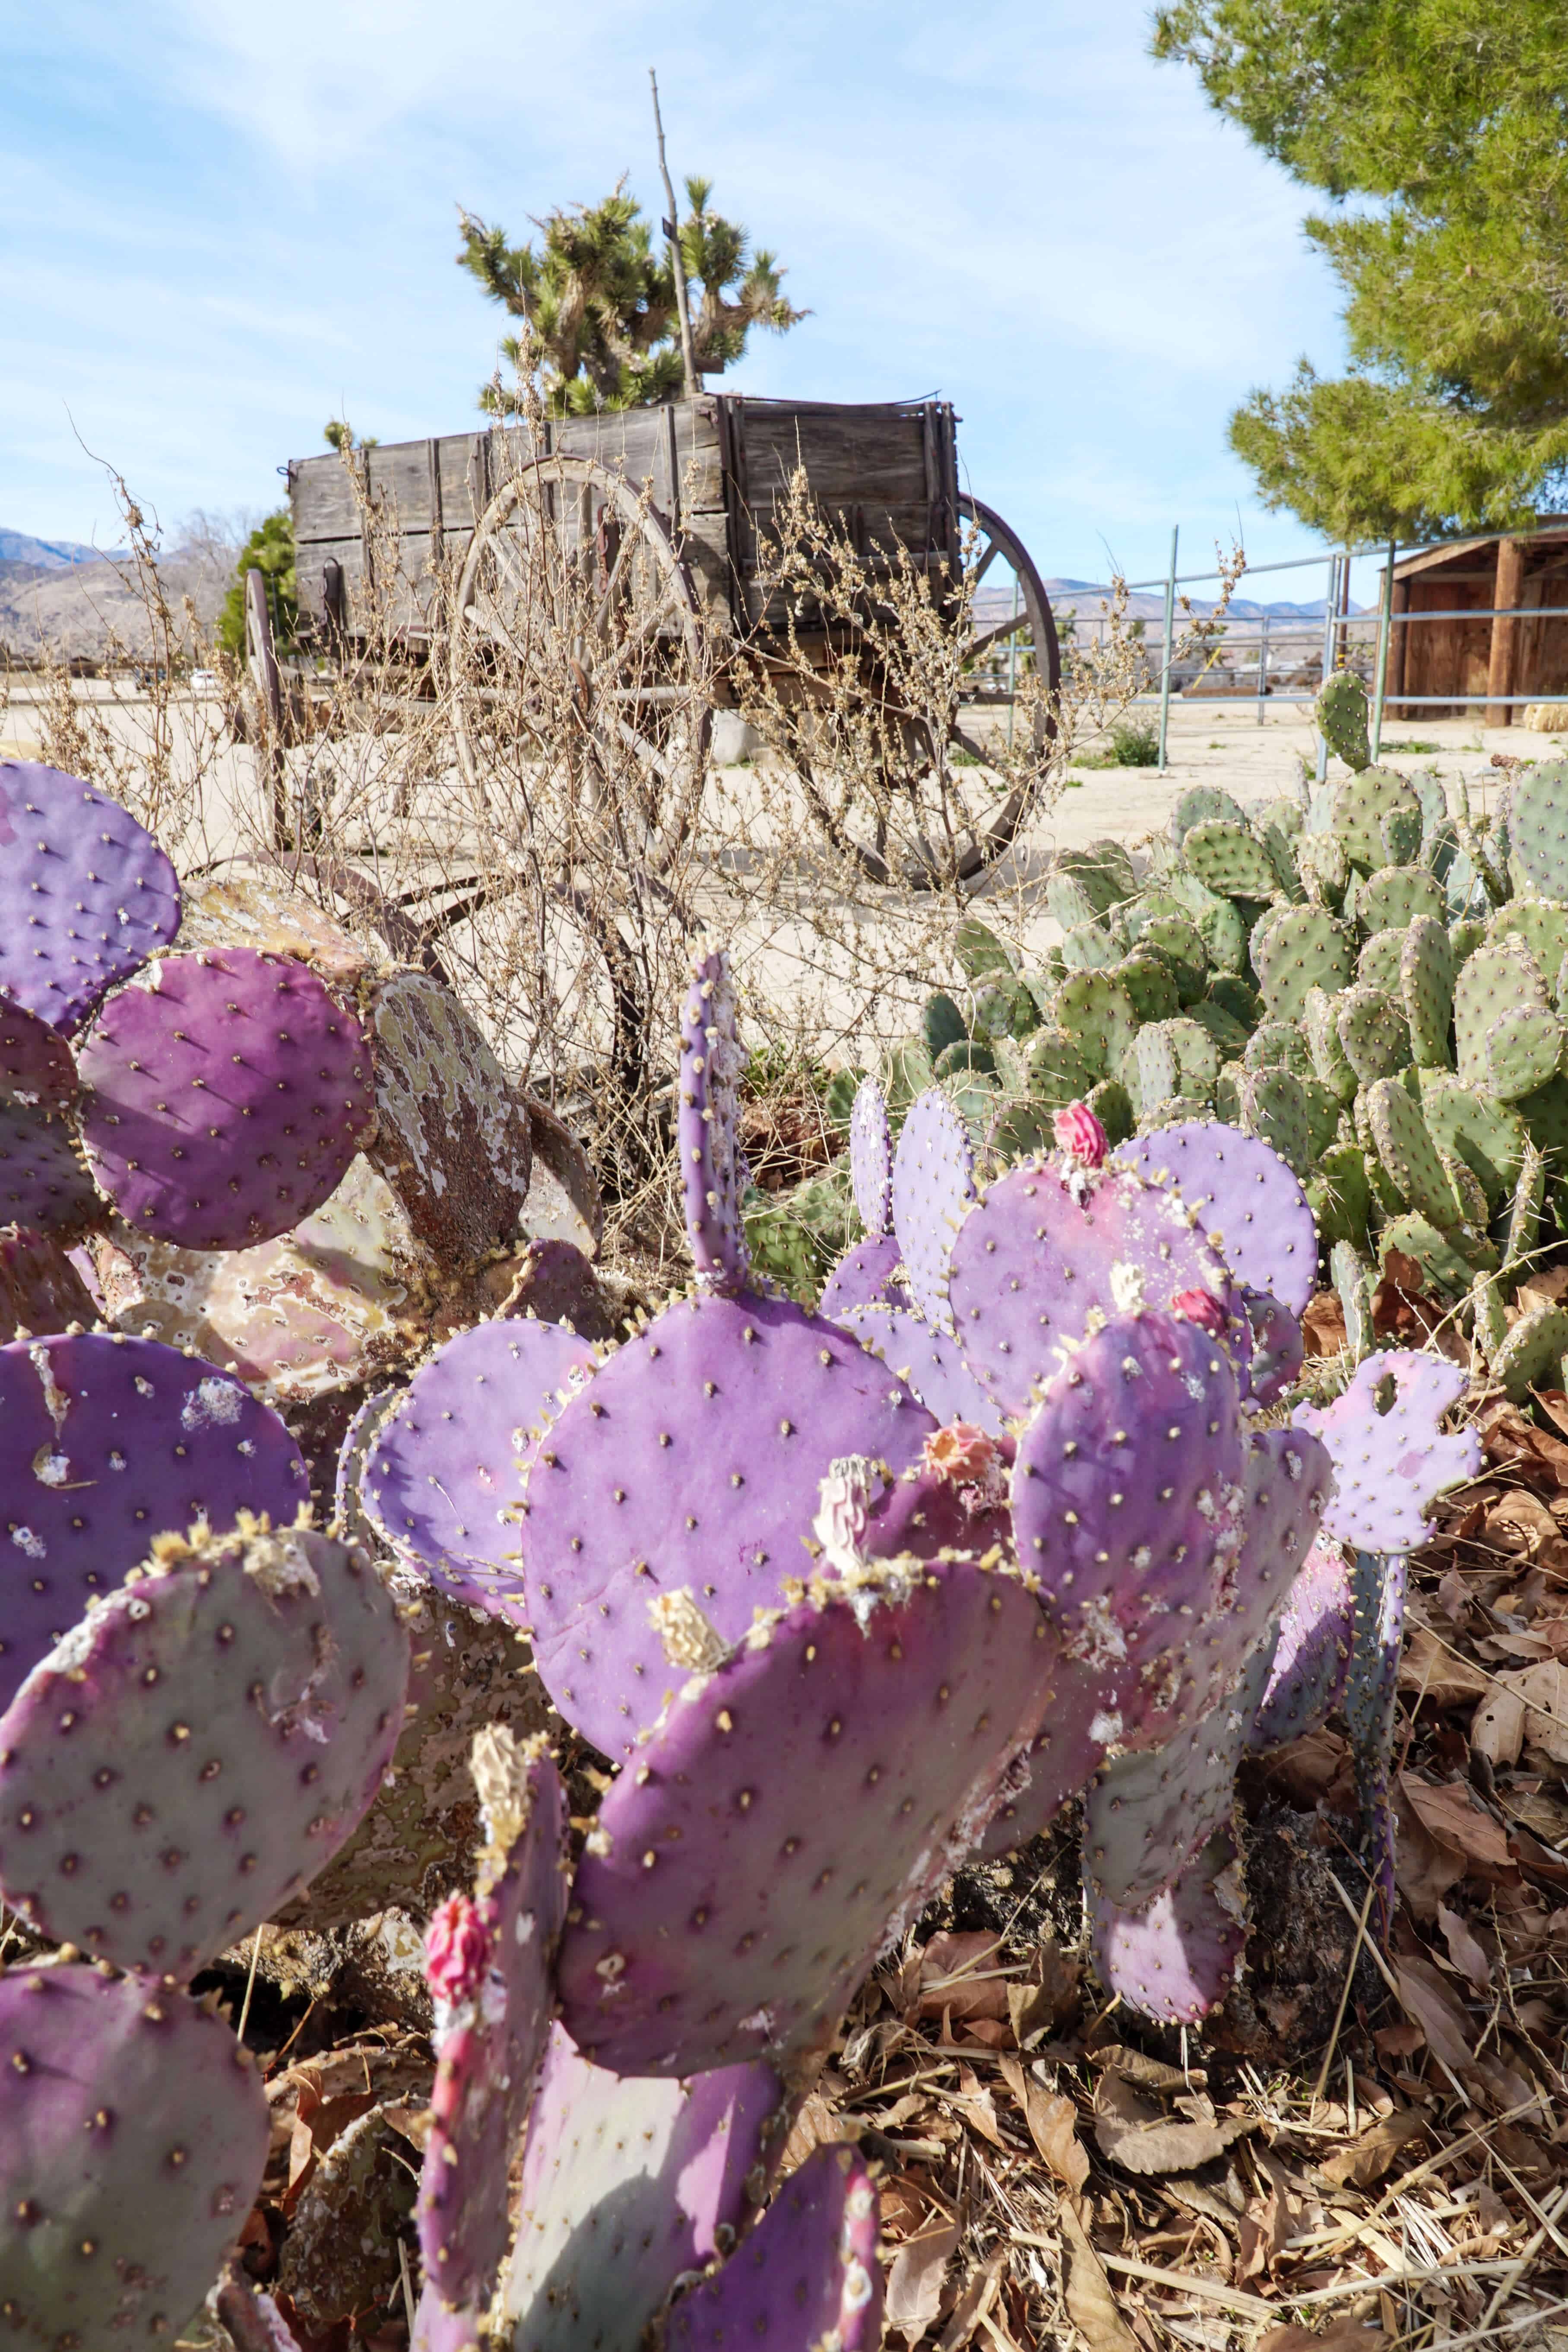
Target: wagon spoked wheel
x: 577, y: 645
x: 1014, y: 640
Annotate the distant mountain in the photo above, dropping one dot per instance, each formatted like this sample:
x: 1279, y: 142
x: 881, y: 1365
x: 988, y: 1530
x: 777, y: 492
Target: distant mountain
x: 48, y: 554
x: 1146, y: 603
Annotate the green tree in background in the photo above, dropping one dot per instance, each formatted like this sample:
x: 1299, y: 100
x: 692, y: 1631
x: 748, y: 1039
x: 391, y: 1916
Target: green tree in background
x: 269, y: 549
x: 1447, y: 119
x: 598, y: 296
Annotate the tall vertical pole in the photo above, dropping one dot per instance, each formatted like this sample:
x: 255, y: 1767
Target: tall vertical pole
x: 1331, y: 621
x: 1262, y: 666
x: 1012, y: 658
x: 677, y: 259
x: 1384, y: 631
x: 1170, y: 642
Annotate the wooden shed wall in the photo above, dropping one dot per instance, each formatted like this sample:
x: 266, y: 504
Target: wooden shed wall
x: 1464, y: 659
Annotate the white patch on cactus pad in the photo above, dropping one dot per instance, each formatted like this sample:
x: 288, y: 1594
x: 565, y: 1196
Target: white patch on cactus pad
x: 279, y: 1565
x: 25, y: 1541
x: 213, y: 1399
x: 1100, y: 1640
x: 856, y: 2289
x: 1194, y: 1387
x: 55, y: 1401
x: 49, y: 1468
x: 1107, y: 1730
x: 1126, y: 1287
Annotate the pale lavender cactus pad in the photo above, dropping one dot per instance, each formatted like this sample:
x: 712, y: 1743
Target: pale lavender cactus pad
x: 196, y: 1750
x: 105, y: 1443
x: 438, y: 2328
x: 1126, y: 1495
x: 692, y: 1459
x: 1279, y: 1347
x: 869, y: 1274
x: 42, y: 1181
x: 1048, y: 1248
x: 934, y: 1186
x: 1307, y: 1679
x: 348, y: 1510
x: 135, y: 2134
x: 799, y: 1803
x: 1146, y: 1816
x: 443, y: 1477
x: 628, y: 2184
x: 1174, y: 1960
x: 1286, y: 1484
x: 930, y: 1361
x: 224, y: 1093
x: 1390, y: 1461
x: 492, y: 2018
x: 36, y: 1065
x: 806, y: 2277
x: 86, y: 894
x: 871, y: 1160
x: 1245, y: 1198
x: 712, y: 1172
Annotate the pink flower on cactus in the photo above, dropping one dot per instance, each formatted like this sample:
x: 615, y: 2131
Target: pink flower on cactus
x: 1080, y: 1135
x: 960, y: 1452
x: 1198, y: 1306
x: 457, y: 1949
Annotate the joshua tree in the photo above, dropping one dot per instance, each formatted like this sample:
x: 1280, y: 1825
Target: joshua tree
x: 599, y: 301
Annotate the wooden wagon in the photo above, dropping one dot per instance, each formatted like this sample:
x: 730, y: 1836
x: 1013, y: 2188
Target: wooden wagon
x: 669, y: 504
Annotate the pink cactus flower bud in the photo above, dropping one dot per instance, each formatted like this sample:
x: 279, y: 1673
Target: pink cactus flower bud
x: 457, y: 1949
x: 1080, y: 1135
x: 1198, y: 1306
x: 960, y: 1452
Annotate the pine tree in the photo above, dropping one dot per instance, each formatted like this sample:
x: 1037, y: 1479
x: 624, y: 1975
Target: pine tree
x: 1438, y: 128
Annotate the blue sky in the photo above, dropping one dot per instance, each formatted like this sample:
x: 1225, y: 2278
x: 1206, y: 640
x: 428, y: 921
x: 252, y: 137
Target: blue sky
x: 221, y: 224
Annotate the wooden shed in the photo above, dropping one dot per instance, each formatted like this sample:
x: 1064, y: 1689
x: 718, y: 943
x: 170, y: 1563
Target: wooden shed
x: 1515, y: 644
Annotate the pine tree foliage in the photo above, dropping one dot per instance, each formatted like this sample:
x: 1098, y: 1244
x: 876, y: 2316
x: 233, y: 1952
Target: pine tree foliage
x: 1439, y: 129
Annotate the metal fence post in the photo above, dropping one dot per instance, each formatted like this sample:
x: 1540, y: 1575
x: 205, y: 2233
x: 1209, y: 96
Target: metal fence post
x: 1262, y: 663
x: 1170, y: 639
x: 1384, y: 631
x: 1331, y: 619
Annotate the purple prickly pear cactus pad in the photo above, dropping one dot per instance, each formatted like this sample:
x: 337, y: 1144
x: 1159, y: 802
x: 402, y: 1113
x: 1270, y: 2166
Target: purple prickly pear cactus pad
x: 1144, y: 1816
x: 1060, y: 1764
x: 1390, y: 1462
x: 225, y: 1095
x: 1286, y: 1486
x: 438, y: 2328
x: 867, y: 1275
x: 442, y: 1476
x: 42, y: 1181
x: 489, y: 1974
x: 193, y: 1752
x: 871, y: 1158
x: 628, y: 2184
x: 1245, y: 1198
x: 1126, y: 1506
x: 807, y: 2276
x: 791, y: 1813
x: 712, y: 1172
x: 1175, y: 1959
x: 105, y: 1443
x: 86, y: 894
x: 135, y: 2136
x: 934, y: 1185
x: 692, y: 1459
x: 1050, y: 1247
x: 1307, y: 1679
x: 348, y: 1508
x: 40, y: 1290
x: 1279, y: 1347
x: 929, y: 1361
x: 36, y: 1065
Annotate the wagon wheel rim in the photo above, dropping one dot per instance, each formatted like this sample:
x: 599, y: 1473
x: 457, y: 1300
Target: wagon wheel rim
x: 993, y: 545
x: 611, y: 708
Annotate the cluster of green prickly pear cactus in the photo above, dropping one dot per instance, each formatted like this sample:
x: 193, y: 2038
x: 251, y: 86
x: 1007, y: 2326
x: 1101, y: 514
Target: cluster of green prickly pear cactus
x: 1366, y: 975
